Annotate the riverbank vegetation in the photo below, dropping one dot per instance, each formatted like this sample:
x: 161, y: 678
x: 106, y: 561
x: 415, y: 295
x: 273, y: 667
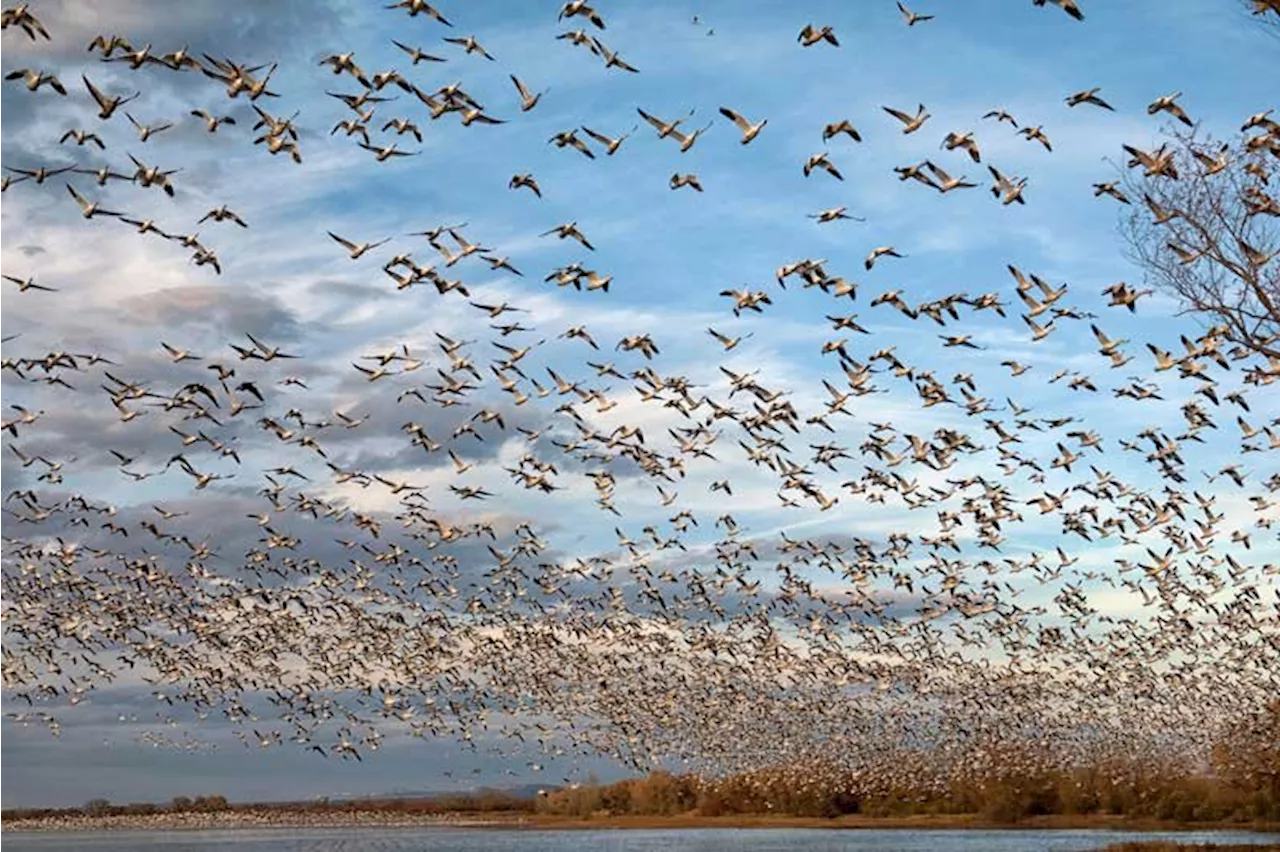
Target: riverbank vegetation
x: 1146, y: 792
x: 1100, y: 794
x: 998, y: 783
x: 994, y: 785
x: 482, y: 801
x: 1143, y: 793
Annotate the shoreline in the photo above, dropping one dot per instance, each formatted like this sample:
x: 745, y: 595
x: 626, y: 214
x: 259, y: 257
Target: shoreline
x: 254, y: 818
x: 267, y: 818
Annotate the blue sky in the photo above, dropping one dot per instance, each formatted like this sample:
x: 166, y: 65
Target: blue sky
x: 670, y: 254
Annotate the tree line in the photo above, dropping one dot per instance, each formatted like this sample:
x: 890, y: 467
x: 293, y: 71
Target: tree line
x: 480, y: 801
x: 1005, y: 784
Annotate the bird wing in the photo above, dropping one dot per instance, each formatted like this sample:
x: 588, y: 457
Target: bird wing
x: 350, y: 245
x: 93, y: 90
x: 937, y: 170
x: 898, y: 114
x: 655, y: 122
x: 735, y: 118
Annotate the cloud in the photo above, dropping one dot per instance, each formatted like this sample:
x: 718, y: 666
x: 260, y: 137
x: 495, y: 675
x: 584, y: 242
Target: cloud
x: 227, y: 314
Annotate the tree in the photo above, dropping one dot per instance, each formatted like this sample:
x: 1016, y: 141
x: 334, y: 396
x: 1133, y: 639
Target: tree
x: 210, y: 803
x: 97, y: 807
x: 1250, y: 759
x: 1267, y: 11
x: 1204, y: 229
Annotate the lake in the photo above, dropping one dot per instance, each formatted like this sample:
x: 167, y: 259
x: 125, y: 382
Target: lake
x: 664, y: 840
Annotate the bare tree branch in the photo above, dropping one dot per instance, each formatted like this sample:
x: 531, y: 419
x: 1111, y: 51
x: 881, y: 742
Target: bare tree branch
x: 1203, y: 228
x: 1266, y: 12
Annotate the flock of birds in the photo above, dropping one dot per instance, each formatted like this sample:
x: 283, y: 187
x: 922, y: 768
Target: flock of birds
x: 694, y: 640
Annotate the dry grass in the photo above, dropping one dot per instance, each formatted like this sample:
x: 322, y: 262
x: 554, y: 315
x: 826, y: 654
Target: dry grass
x: 1012, y: 787
x: 1001, y: 797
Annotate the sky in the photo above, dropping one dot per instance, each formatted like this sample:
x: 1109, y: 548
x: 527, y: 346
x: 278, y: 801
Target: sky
x: 670, y: 254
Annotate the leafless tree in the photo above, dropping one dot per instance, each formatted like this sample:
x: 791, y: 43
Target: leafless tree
x: 1202, y: 227
x: 1267, y: 12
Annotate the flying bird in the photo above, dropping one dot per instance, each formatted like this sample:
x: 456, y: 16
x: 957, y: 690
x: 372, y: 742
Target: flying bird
x: 911, y: 17
x: 749, y: 131
x: 357, y: 250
